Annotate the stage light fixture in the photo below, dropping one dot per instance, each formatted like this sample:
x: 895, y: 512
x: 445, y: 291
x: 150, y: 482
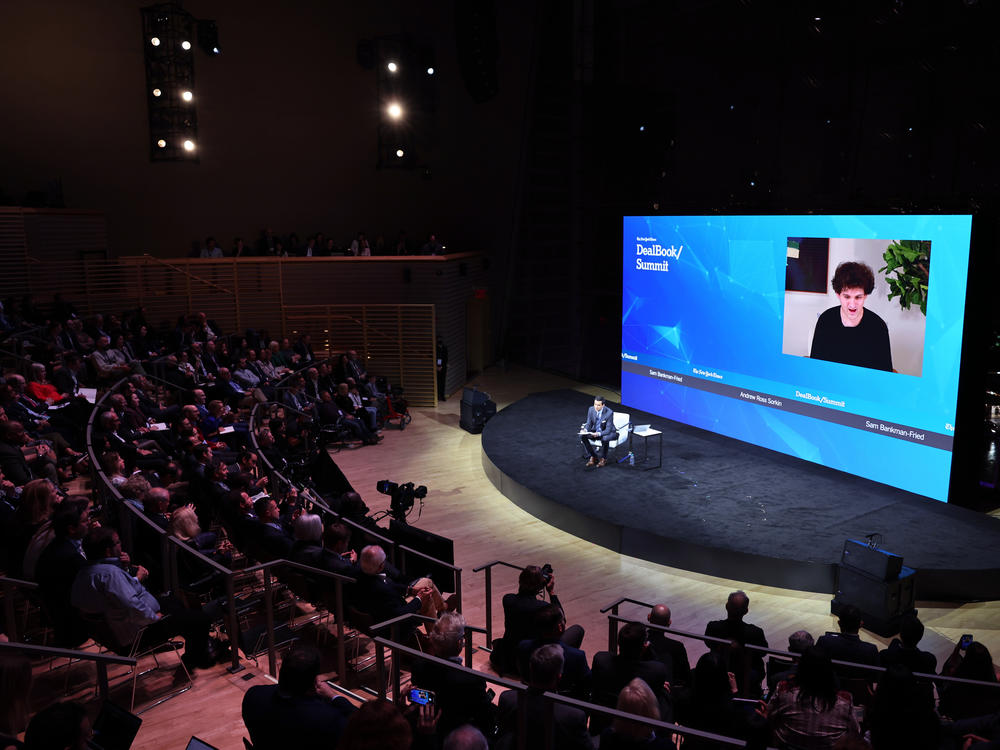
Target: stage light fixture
x: 189, y: 145
x: 215, y: 50
x: 161, y: 143
x: 395, y: 110
x: 155, y: 41
x: 430, y: 71
x: 187, y: 96
x: 392, y: 67
x: 400, y: 153
x: 157, y: 92
x: 185, y: 45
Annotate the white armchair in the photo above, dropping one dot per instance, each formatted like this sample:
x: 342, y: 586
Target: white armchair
x: 623, y: 424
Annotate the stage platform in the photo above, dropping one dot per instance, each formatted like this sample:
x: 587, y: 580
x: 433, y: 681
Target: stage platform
x: 729, y: 509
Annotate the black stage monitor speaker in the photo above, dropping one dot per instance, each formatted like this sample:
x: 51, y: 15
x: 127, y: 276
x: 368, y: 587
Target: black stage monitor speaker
x: 885, y: 566
x: 477, y: 408
x: 433, y: 545
x: 882, y: 603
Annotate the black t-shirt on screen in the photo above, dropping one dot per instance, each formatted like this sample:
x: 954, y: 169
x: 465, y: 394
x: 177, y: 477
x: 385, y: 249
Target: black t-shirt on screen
x: 864, y: 345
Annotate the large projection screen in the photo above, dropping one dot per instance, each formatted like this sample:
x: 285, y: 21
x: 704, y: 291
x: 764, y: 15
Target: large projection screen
x: 733, y: 324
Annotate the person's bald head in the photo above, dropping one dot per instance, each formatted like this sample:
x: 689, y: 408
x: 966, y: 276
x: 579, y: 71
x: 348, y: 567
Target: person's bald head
x: 659, y: 615
x: 737, y: 605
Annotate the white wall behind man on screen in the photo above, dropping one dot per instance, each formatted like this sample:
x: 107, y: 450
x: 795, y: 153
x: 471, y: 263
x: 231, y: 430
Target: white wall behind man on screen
x: 906, y: 327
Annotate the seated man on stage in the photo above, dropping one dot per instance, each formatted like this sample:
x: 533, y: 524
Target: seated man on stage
x: 600, y: 425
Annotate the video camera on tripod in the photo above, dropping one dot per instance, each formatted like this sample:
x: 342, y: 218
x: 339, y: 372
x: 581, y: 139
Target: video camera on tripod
x: 402, y: 496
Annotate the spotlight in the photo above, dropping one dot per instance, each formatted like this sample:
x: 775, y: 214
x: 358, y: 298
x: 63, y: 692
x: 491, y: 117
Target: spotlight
x: 185, y: 45
x: 155, y: 41
x: 215, y: 50
x: 430, y: 71
x: 395, y: 111
x: 157, y: 92
x: 161, y: 143
x: 187, y: 96
x: 392, y: 67
x: 400, y: 152
x: 189, y: 145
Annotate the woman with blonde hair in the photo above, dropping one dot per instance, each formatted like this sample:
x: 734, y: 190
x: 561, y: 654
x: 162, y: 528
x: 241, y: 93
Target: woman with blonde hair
x: 624, y: 734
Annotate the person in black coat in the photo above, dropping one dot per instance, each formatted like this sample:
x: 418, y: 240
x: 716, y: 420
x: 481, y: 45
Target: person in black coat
x: 612, y: 672
x: 268, y: 536
x: 519, y: 610
x: 550, y: 624
x: 380, y: 597
x: 568, y: 723
x: 669, y: 651
x: 300, y: 711
x: 848, y: 646
x: 57, y: 567
x: 740, y: 633
x: 903, y: 650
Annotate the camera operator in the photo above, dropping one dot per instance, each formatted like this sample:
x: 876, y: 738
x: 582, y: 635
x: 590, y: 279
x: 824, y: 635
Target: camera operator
x: 519, y: 617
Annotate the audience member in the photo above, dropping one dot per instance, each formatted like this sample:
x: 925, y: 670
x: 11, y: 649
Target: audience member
x: 811, y: 713
x: 711, y: 704
x: 635, y: 698
x: 550, y: 625
x: 105, y: 590
x: 519, y: 611
x: 901, y: 713
x: 903, y: 650
x: 462, y: 698
x: 782, y: 669
x: 545, y: 668
x: 377, y: 724
x: 847, y: 644
x: 384, y: 599
x: 740, y: 634
x: 963, y: 701
x: 610, y: 673
x: 61, y: 726
x: 300, y: 712
x: 667, y: 650
x: 465, y: 737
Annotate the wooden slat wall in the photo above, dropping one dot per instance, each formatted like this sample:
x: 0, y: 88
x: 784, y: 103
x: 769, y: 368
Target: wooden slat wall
x: 13, y: 253
x: 331, y: 298
x: 397, y: 341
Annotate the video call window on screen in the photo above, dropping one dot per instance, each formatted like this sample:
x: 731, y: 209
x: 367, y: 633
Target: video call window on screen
x: 829, y: 338
x: 857, y: 324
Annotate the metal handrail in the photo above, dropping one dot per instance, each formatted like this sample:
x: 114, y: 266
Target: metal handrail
x: 488, y: 567
x: 9, y: 585
x: 101, y: 660
x: 339, y: 581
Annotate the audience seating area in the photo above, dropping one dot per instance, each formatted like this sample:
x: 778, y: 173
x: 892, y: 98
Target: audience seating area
x: 168, y: 501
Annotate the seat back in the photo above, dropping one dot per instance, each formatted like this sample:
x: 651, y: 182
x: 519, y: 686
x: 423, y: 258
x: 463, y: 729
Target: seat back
x: 623, y: 424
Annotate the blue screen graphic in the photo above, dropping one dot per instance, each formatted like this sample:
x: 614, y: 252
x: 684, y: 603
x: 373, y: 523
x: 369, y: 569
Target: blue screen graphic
x: 720, y: 316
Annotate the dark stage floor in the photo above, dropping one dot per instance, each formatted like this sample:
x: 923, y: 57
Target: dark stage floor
x: 729, y: 509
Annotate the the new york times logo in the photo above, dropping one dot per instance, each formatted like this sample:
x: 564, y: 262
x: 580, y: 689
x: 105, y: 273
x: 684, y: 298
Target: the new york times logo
x: 656, y: 250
